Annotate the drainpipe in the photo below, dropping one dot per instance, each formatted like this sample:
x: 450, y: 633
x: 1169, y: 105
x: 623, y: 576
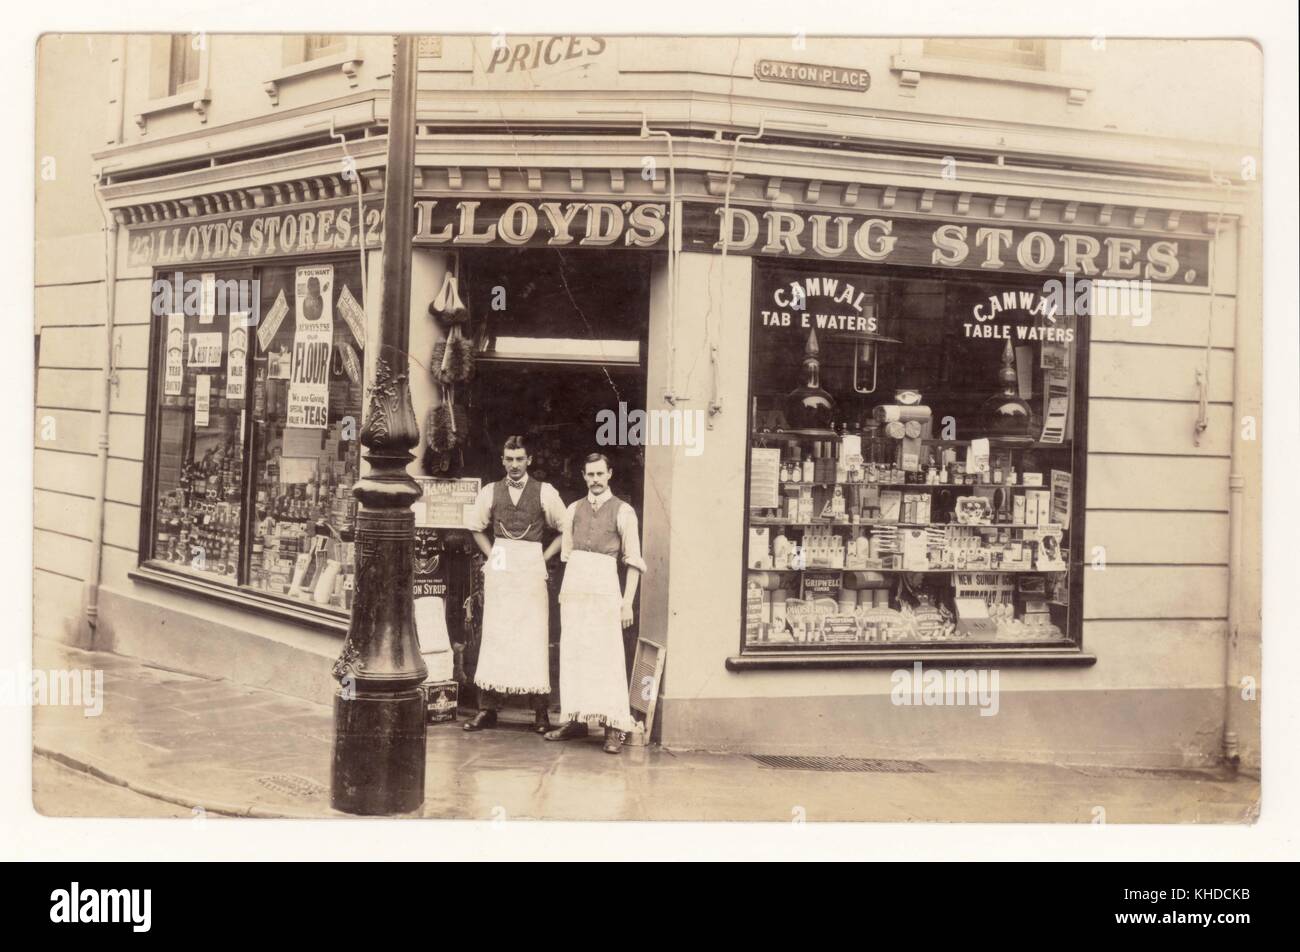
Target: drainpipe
x: 674, y: 232
x: 1242, y: 403
x: 110, y: 382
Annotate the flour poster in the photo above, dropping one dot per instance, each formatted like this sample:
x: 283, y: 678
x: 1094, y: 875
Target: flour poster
x: 313, y: 344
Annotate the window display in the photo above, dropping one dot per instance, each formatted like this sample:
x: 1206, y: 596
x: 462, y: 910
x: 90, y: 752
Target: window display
x: 258, y: 435
x: 911, y: 463
x: 200, y: 459
x: 307, y: 384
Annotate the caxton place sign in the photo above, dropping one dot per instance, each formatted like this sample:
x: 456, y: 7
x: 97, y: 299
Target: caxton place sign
x: 810, y: 74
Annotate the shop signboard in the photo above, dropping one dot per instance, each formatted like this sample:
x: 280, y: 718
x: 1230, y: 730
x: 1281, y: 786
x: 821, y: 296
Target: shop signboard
x: 813, y: 74
x: 444, y: 503
x: 840, y: 235
x: 881, y: 238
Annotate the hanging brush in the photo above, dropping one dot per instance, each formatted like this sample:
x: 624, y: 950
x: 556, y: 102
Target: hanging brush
x: 447, y: 305
x: 442, y: 433
x: 458, y: 364
x: 436, y: 360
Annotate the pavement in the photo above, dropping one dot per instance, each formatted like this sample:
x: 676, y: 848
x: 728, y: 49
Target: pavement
x: 169, y: 743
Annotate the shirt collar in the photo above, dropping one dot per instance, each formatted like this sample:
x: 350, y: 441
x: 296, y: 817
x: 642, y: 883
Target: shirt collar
x: 598, y: 501
x: 523, y: 481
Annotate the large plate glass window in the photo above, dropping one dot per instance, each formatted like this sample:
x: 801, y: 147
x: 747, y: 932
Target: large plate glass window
x: 259, y: 394
x: 912, y: 474
x: 199, y: 461
x: 307, y: 391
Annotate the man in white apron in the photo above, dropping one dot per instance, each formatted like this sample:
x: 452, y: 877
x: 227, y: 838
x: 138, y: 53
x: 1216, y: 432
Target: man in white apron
x: 513, y: 653
x: 599, y: 531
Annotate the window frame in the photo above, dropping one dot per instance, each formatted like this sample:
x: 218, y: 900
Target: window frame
x: 196, y: 95
x: 1067, y: 652
x: 148, y: 569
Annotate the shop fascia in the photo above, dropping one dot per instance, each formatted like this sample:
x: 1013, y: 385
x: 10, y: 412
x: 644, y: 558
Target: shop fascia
x: 857, y: 237
x: 463, y: 223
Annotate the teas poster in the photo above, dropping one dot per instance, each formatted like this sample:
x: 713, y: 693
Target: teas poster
x: 313, y: 344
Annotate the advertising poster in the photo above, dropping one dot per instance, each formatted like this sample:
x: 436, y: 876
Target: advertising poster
x: 267, y: 331
x: 236, y: 356
x: 204, y: 350
x: 445, y: 503
x: 313, y: 343
x: 202, y: 399
x: 174, y: 374
x: 353, y: 316
x: 207, y: 297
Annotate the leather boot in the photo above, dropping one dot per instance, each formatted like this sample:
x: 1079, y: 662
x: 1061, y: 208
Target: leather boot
x: 541, y: 721
x: 613, y: 740
x: 570, y: 731
x: 481, y: 721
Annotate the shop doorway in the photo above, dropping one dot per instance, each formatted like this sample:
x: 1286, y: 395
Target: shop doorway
x: 563, y: 342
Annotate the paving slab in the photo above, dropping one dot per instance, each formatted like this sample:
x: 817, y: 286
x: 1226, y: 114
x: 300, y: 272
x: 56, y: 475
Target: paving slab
x: 181, y: 741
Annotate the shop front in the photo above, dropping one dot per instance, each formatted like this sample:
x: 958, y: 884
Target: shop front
x: 257, y: 370
x: 912, y: 426
x: 954, y: 439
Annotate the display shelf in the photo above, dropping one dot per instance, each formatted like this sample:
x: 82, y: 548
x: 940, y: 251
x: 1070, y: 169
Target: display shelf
x: 784, y: 486
x: 831, y: 568
x: 1002, y: 443
x: 765, y: 521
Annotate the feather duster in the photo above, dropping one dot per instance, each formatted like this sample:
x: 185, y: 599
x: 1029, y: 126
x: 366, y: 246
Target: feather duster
x: 458, y: 365
x: 441, y: 436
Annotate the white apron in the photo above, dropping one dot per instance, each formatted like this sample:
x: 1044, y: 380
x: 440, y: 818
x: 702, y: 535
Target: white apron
x: 513, y: 657
x: 593, y: 672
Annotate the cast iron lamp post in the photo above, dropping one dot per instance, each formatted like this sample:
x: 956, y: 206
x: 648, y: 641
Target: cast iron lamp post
x: 379, y: 712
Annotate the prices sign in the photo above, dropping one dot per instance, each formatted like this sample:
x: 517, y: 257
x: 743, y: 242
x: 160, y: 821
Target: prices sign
x: 313, y: 343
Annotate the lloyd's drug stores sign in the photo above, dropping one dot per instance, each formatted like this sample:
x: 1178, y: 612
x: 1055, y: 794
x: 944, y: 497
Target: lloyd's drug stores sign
x: 644, y: 225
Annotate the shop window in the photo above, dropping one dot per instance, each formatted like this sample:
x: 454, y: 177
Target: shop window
x: 257, y: 434
x: 913, y: 464
x: 198, y: 478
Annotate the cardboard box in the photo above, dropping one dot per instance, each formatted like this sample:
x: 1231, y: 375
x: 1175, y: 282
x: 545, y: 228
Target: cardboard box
x: 440, y: 700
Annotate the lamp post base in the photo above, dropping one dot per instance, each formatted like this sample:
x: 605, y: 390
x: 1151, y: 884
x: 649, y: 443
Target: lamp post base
x: 378, y: 766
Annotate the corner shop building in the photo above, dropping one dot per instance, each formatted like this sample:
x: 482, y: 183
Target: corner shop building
x: 1138, y: 673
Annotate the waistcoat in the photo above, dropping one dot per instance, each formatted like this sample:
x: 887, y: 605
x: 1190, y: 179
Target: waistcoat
x: 597, y: 531
x: 523, y: 521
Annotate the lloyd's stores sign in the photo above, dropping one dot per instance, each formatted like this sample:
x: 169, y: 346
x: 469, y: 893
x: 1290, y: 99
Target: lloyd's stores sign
x: 643, y: 225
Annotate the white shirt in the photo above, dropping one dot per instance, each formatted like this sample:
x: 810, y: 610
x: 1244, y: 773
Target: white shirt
x: 479, y: 518
x: 626, y: 523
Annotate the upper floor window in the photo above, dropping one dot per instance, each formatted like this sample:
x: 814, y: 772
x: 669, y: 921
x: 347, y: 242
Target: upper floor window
x: 1010, y: 51
x: 321, y: 45
x: 183, y: 62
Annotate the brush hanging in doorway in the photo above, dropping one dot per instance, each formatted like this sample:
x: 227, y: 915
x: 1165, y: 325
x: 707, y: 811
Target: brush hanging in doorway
x: 447, y: 307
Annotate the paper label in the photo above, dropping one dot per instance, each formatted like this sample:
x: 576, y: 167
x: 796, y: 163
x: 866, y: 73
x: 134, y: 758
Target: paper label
x: 202, y: 399
x: 174, y: 373
x: 351, y: 363
x: 204, y: 350
x: 353, y: 316
x: 207, y: 297
x: 237, y: 356
x: 267, y: 329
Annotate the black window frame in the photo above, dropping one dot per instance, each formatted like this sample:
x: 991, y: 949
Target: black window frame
x: 1069, y: 651
x: 151, y: 570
